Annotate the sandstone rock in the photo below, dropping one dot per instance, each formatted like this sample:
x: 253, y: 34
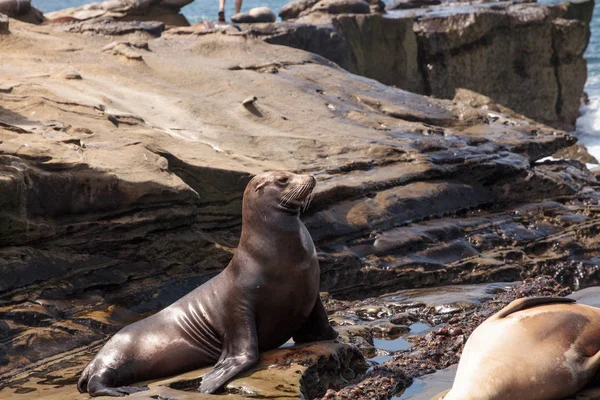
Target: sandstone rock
x: 204, y: 28
x: 125, y: 49
x: 305, y: 371
x: 293, y: 9
x: 122, y: 192
x: 112, y: 28
x: 166, y: 11
x: 576, y: 152
x: 535, y: 52
x: 258, y: 14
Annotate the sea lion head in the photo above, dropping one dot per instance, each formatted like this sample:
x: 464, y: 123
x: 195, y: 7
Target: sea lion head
x: 280, y: 190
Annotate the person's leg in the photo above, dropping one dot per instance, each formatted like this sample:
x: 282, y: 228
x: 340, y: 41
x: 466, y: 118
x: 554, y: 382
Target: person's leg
x: 238, y: 6
x: 222, y: 10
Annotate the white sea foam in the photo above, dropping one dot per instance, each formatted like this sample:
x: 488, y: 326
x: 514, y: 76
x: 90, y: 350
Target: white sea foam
x: 588, y: 126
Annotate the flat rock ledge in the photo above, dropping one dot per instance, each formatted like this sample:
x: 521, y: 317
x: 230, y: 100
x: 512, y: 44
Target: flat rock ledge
x: 299, y: 372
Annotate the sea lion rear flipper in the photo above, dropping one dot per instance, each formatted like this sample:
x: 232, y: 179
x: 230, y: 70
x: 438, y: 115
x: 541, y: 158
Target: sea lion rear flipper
x: 316, y: 327
x: 240, y: 352
x: 528, y: 302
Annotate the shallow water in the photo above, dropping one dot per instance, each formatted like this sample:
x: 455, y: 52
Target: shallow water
x: 444, y: 299
x: 427, y: 386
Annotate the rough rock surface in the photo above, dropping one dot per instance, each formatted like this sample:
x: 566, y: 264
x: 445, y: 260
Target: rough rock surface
x: 121, y: 191
x: 301, y: 372
x: 528, y: 56
x: 439, y: 348
x: 166, y: 11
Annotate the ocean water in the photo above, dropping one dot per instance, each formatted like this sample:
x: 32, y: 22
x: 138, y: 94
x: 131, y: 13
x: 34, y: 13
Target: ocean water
x: 588, y: 125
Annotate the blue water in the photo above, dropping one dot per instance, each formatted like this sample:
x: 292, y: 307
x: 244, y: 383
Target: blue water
x: 588, y: 125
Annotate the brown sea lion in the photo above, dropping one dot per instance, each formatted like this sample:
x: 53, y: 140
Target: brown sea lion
x: 539, y: 348
x: 14, y: 8
x: 268, y: 293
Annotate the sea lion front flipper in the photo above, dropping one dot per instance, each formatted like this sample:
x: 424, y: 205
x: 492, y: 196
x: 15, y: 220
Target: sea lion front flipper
x: 592, y: 364
x: 240, y: 352
x: 528, y: 302
x: 316, y: 327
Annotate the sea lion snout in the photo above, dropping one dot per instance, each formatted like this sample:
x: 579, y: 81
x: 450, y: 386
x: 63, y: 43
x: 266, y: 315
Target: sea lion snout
x: 298, y: 191
x: 284, y: 190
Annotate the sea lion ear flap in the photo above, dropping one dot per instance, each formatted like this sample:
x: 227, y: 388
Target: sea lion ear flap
x: 260, y: 185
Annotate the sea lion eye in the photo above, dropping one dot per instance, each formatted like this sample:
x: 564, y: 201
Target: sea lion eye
x: 283, y: 180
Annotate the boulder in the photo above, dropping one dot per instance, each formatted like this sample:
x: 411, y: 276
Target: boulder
x: 258, y: 14
x: 293, y: 9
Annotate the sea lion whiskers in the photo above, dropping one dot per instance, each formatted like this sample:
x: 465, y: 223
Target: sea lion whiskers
x: 292, y: 194
x: 308, y: 201
x: 287, y: 197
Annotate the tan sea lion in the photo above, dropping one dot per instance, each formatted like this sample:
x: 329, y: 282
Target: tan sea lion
x: 268, y: 293
x: 539, y: 348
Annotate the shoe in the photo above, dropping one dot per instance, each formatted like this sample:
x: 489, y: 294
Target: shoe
x: 221, y: 16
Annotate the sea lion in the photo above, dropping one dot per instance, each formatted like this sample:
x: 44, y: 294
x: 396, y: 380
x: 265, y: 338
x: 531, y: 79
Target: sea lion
x: 540, y: 348
x: 268, y: 293
x: 14, y: 8
x: 258, y: 14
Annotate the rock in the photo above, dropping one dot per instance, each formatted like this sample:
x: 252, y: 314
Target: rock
x: 71, y: 73
x: 165, y: 11
x: 576, y: 152
x: 4, y: 24
x: 112, y: 28
x: 125, y: 49
x: 203, y: 28
x: 535, y: 50
x: 293, y: 9
x: 342, y: 7
x: 406, y: 4
x: 258, y: 14
x: 305, y: 371
x: 121, y: 192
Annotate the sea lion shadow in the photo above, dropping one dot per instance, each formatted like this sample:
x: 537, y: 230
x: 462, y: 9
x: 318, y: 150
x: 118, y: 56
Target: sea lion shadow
x: 255, y: 111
